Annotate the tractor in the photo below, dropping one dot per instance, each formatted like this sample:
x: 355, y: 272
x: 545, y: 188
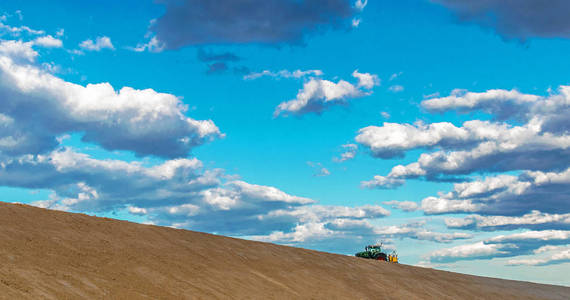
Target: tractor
x: 376, y: 252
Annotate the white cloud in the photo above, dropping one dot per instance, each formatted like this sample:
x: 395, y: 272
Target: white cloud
x: 356, y: 22
x: 382, y: 182
x: 548, y: 248
x: 18, y: 50
x: 434, y: 205
x: 544, y: 235
x: 19, y: 14
x: 319, y: 170
x: 556, y: 258
x: 100, y: 43
x: 143, y: 121
x: 100, y: 185
x: 476, y: 146
x: 348, y: 154
x: 403, y: 205
x: 17, y: 31
x: 538, y: 143
x: 153, y: 45
x: 321, y: 213
x: 525, y: 243
x: 506, y: 194
x: 301, y: 233
x: 323, y: 172
x: 502, y: 103
x: 266, y: 193
x: 548, y: 112
x: 469, y: 251
x: 392, y: 139
x: 352, y: 230
x: 261, y: 213
x: 137, y: 210
x: 395, y: 75
x: 48, y: 41
x: 535, y: 219
x: 360, y: 5
x: 51, y: 68
x: 168, y: 193
x: 283, y: 74
x: 366, y: 80
x: 396, y: 88
x: 318, y: 94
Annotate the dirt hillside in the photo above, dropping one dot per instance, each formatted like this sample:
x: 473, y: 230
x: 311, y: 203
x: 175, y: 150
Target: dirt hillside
x: 48, y: 254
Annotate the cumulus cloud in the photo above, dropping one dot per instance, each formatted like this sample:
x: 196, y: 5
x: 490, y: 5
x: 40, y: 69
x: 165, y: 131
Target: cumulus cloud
x: 319, y: 170
x: 558, y: 257
x: 393, y: 139
x: 100, y: 43
x: 143, y: 121
x: 366, y: 80
x: 403, y: 205
x: 523, y: 150
x: 357, y: 230
x: 48, y: 41
x: 534, y: 220
x: 482, y: 140
x: 273, y: 22
x: 541, y: 143
x: 283, y: 74
x: 396, y: 88
x: 470, y: 251
x: 515, y: 19
x: 395, y: 75
x: 531, y: 237
x: 153, y: 45
x: 548, y: 112
x: 18, y: 51
x: 360, y: 5
x: 318, y: 94
x: 19, y: 30
x: 503, y: 104
x: 414, y: 230
x: 509, y: 195
x: 502, y: 246
x: 383, y: 182
x: 84, y: 183
x: 356, y: 22
x: 323, y: 172
x: 174, y: 192
x: 348, y: 154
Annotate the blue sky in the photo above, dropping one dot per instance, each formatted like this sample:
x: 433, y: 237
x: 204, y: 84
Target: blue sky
x: 437, y: 127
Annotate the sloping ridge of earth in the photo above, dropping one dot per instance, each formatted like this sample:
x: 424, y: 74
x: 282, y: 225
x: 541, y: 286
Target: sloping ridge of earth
x: 46, y: 254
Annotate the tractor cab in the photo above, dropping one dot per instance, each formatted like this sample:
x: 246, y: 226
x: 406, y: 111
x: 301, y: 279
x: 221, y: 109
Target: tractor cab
x: 376, y: 252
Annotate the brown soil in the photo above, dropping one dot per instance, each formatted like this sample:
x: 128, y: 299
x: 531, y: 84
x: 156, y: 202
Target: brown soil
x: 48, y: 254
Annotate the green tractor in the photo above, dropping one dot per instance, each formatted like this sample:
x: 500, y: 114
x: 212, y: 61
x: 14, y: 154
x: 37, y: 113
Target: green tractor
x: 376, y: 252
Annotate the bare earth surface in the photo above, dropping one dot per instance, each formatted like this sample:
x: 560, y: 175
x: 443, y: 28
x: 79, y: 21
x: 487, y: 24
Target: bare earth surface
x: 48, y: 254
